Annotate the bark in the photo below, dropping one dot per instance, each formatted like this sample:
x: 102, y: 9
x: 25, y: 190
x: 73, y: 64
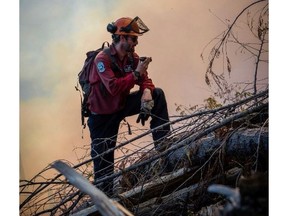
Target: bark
x: 157, y: 186
x: 240, y: 145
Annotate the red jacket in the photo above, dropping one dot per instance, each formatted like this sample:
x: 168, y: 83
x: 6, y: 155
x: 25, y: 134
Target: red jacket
x: 110, y: 88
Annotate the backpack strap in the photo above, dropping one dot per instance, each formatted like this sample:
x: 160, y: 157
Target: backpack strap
x: 103, y: 45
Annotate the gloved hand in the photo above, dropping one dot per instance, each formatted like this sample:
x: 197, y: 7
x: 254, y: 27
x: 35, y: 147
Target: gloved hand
x: 145, y: 111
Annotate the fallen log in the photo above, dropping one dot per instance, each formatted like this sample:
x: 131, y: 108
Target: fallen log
x: 148, y: 190
x: 240, y: 145
x: 172, y: 201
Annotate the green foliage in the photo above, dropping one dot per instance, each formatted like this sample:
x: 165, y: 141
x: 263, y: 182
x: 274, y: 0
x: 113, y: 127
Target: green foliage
x: 211, y: 103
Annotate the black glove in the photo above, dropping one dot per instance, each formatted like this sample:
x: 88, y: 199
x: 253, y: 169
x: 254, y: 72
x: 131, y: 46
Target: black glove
x: 145, y: 111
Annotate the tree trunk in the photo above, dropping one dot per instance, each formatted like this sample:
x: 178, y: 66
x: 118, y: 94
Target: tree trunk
x: 242, y: 144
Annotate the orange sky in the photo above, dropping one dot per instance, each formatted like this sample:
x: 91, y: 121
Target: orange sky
x: 54, y: 37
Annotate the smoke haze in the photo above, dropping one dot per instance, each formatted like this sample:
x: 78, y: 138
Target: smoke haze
x: 54, y: 37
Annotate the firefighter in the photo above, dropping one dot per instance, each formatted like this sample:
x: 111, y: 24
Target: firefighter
x: 115, y: 71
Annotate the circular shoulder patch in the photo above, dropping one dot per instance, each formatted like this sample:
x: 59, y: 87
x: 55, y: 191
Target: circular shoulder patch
x: 101, y: 67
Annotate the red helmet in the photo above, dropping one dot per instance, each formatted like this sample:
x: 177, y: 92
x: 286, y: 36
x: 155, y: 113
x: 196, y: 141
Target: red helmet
x: 127, y: 26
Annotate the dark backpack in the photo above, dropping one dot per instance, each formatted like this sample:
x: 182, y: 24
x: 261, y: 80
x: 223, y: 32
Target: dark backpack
x: 83, y: 81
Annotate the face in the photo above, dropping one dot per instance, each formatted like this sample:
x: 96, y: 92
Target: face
x: 130, y: 43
